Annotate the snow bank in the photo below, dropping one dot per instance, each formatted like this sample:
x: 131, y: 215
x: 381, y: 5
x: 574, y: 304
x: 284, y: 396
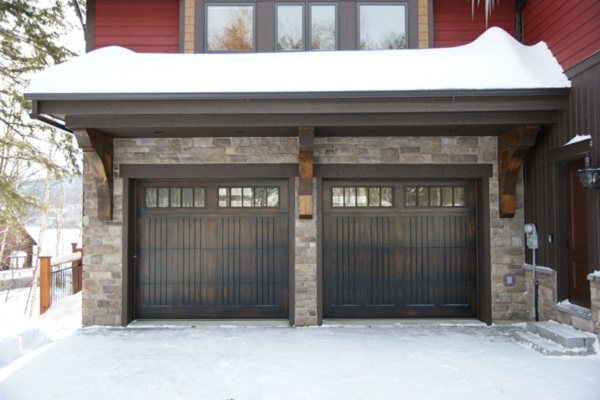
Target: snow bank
x: 494, y: 61
x: 20, y: 335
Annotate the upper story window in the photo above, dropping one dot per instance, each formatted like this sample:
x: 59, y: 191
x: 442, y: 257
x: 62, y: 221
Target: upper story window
x: 382, y: 26
x: 230, y: 27
x: 309, y: 25
x: 298, y: 30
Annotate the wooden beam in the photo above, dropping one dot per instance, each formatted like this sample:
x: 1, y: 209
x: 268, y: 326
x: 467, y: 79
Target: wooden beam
x: 512, y: 148
x: 306, y: 139
x: 99, y: 152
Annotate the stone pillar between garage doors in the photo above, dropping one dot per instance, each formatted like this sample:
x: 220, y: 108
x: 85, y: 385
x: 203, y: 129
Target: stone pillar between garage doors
x: 305, y: 265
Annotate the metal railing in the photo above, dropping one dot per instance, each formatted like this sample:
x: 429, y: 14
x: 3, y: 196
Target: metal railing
x: 59, y: 278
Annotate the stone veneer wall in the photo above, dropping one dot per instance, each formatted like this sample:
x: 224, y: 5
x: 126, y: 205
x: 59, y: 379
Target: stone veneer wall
x: 546, y: 278
x: 595, y: 289
x: 102, y: 294
x: 550, y: 309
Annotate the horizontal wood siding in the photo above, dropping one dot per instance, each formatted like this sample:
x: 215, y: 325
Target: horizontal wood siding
x: 142, y: 26
x: 570, y: 28
x: 455, y: 24
x: 543, y: 186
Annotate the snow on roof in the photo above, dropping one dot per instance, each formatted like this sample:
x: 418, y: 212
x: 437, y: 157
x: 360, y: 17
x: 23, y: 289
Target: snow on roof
x: 577, y: 139
x: 494, y: 61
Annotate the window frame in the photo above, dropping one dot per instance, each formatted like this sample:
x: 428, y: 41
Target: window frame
x: 265, y: 23
x: 383, y: 3
x: 238, y: 3
x: 276, y: 24
x: 306, y: 23
x: 309, y: 23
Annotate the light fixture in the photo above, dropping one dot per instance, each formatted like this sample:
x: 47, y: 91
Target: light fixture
x: 588, y: 176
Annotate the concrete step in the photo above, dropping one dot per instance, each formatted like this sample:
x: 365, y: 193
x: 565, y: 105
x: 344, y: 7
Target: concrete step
x: 554, y: 339
x: 547, y: 347
x: 565, y: 335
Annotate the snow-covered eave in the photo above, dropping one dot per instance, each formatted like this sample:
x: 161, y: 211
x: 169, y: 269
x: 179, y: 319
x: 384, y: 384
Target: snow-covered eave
x: 495, y: 61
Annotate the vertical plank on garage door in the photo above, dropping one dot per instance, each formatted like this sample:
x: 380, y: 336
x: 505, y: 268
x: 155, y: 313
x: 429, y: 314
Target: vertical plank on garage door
x: 212, y: 263
x: 399, y: 262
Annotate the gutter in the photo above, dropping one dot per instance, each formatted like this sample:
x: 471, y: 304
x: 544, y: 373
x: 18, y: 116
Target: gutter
x: 520, y: 6
x: 47, y: 119
x: 351, y: 95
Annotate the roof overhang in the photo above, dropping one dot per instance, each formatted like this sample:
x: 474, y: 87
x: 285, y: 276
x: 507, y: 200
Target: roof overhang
x: 448, y: 112
x: 484, y: 88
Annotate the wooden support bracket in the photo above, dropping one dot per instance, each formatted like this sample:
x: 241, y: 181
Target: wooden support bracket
x: 98, y: 150
x: 512, y: 148
x: 306, y: 136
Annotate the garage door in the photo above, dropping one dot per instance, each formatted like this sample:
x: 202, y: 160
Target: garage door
x: 399, y: 249
x: 212, y: 250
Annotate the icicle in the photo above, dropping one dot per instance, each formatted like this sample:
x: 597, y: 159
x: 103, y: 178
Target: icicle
x: 489, y: 6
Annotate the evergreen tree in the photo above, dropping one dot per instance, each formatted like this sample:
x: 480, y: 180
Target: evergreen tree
x: 29, y: 42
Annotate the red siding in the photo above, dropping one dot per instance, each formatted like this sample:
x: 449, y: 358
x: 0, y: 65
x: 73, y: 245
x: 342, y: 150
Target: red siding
x: 570, y: 28
x: 455, y: 25
x: 146, y: 26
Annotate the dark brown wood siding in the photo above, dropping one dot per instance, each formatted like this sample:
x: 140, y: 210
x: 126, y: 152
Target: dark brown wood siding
x: 139, y: 25
x: 455, y: 24
x: 571, y: 29
x: 544, y: 168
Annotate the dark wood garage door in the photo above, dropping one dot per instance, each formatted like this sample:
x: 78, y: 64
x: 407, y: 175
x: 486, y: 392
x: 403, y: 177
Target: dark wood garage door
x: 212, y: 250
x: 398, y: 250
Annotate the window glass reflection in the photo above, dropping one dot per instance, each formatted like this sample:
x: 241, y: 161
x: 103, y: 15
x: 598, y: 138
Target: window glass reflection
x: 230, y: 28
x: 382, y: 26
x: 290, y: 27
x: 322, y: 27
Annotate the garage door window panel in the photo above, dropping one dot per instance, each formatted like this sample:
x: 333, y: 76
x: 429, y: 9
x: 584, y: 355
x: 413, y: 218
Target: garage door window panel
x: 361, y: 197
x: 174, y: 197
x: 248, y: 197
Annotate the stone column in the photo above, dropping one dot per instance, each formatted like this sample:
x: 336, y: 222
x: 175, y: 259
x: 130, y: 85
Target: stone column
x: 305, y: 266
x: 546, y: 291
x: 595, y: 293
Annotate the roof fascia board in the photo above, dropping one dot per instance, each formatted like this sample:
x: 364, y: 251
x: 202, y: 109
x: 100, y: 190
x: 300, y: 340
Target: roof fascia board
x: 298, y: 95
x: 340, y: 106
x: 322, y: 120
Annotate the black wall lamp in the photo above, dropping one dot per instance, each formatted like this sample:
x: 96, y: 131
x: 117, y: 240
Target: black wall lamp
x: 588, y: 176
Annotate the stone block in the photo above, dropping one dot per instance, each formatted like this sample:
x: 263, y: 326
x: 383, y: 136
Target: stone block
x: 582, y: 323
x: 107, y: 320
x: 111, y: 289
x: 91, y: 286
x: 417, y: 158
x: 410, y: 150
x: 467, y: 141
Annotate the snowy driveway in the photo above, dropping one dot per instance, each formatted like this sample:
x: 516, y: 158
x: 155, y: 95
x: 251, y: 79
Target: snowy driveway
x: 395, y: 362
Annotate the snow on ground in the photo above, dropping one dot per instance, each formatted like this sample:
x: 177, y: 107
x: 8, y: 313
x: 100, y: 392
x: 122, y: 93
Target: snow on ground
x: 21, y: 335
x: 396, y: 362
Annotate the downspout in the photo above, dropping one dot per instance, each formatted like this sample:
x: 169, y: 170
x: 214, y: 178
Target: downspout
x: 520, y: 6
